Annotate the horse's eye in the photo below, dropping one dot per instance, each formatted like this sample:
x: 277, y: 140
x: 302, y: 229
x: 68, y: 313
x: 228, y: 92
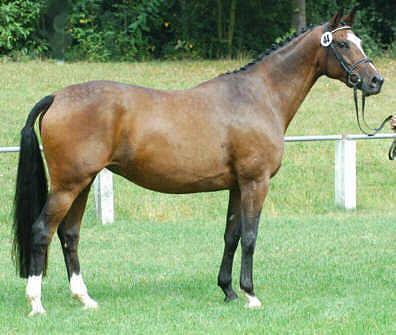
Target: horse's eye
x: 342, y: 44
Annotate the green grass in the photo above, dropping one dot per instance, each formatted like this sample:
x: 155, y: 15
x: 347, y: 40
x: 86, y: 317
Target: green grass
x: 318, y: 269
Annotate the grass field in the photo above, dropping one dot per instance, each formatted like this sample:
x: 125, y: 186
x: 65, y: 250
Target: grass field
x: 318, y: 269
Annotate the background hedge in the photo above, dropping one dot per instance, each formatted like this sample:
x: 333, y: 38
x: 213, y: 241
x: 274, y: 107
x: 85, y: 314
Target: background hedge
x: 131, y: 30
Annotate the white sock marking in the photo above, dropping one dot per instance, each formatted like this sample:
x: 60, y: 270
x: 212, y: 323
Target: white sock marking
x: 253, y: 301
x: 33, y: 294
x: 79, y: 291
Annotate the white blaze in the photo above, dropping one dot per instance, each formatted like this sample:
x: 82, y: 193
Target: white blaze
x: 358, y: 43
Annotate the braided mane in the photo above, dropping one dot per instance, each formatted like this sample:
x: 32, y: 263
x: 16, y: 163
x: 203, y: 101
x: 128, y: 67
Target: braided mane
x: 271, y: 49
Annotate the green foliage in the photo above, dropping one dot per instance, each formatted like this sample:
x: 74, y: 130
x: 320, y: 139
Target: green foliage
x: 392, y: 50
x: 286, y: 35
x: 104, y: 31
x: 19, y: 28
x: 130, y: 30
x: 374, y: 21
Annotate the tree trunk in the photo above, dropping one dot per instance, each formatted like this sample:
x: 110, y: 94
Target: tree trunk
x: 298, y: 16
x: 231, y: 26
x: 220, y: 20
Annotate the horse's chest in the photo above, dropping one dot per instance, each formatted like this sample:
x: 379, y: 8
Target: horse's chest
x: 259, y: 156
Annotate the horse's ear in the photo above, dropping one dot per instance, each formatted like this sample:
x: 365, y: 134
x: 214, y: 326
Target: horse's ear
x: 350, y: 17
x: 335, y: 20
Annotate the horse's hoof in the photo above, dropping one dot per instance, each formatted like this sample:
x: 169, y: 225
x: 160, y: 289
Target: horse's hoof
x: 37, y: 311
x: 230, y: 298
x: 37, y: 307
x: 253, y: 301
x: 91, y: 304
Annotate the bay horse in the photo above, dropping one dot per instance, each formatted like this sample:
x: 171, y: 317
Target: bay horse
x: 224, y: 134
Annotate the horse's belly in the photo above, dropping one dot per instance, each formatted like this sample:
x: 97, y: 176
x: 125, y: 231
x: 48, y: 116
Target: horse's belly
x: 182, y: 170
x: 173, y: 178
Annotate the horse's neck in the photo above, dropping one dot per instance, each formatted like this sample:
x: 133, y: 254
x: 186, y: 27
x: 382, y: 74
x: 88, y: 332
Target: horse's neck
x: 290, y: 73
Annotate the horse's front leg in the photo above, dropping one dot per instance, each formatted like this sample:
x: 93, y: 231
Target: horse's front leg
x: 231, y: 239
x: 253, y: 193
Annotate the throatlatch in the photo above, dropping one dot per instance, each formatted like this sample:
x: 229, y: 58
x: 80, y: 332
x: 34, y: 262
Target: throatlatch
x: 354, y: 80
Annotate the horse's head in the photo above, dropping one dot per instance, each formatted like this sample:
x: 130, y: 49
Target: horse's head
x: 344, y: 58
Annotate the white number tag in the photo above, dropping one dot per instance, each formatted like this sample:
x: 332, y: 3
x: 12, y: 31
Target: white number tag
x: 326, y: 39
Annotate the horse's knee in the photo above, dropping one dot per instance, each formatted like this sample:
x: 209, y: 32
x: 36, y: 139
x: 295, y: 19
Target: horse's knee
x: 248, y: 243
x: 231, y: 241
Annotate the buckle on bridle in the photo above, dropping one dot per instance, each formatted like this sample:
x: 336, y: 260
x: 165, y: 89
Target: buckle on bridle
x: 354, y: 80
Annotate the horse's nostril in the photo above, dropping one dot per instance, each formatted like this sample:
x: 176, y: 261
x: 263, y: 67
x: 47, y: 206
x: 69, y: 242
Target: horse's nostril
x: 376, y: 82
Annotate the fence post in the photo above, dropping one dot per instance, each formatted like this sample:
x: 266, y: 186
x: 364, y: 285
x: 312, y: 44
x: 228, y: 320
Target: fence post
x: 104, y: 198
x: 345, y: 174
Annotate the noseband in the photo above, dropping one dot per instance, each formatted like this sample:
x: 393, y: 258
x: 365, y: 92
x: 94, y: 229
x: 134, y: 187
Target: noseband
x: 354, y: 80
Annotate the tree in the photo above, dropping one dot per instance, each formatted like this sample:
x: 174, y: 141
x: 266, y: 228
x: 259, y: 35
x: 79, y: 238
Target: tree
x: 298, y: 16
x: 221, y: 25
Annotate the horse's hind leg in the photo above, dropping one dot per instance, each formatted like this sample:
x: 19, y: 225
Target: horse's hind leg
x: 231, y: 239
x: 58, y: 203
x: 69, y: 235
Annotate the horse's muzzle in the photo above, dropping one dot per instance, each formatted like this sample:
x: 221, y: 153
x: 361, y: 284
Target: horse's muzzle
x: 373, y: 86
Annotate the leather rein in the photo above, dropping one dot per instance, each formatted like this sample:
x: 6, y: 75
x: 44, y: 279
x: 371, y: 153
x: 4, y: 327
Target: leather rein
x: 354, y: 80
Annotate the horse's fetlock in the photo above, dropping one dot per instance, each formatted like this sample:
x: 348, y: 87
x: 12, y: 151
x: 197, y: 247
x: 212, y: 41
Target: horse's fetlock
x: 224, y: 281
x: 247, y: 286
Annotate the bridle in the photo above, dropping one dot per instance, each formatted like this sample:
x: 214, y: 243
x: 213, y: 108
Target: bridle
x: 354, y: 80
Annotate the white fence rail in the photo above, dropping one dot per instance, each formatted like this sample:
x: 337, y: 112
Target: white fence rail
x: 344, y: 173
x: 344, y: 163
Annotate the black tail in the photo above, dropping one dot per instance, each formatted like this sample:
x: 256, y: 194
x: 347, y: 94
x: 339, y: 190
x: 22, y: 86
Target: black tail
x: 31, y: 189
